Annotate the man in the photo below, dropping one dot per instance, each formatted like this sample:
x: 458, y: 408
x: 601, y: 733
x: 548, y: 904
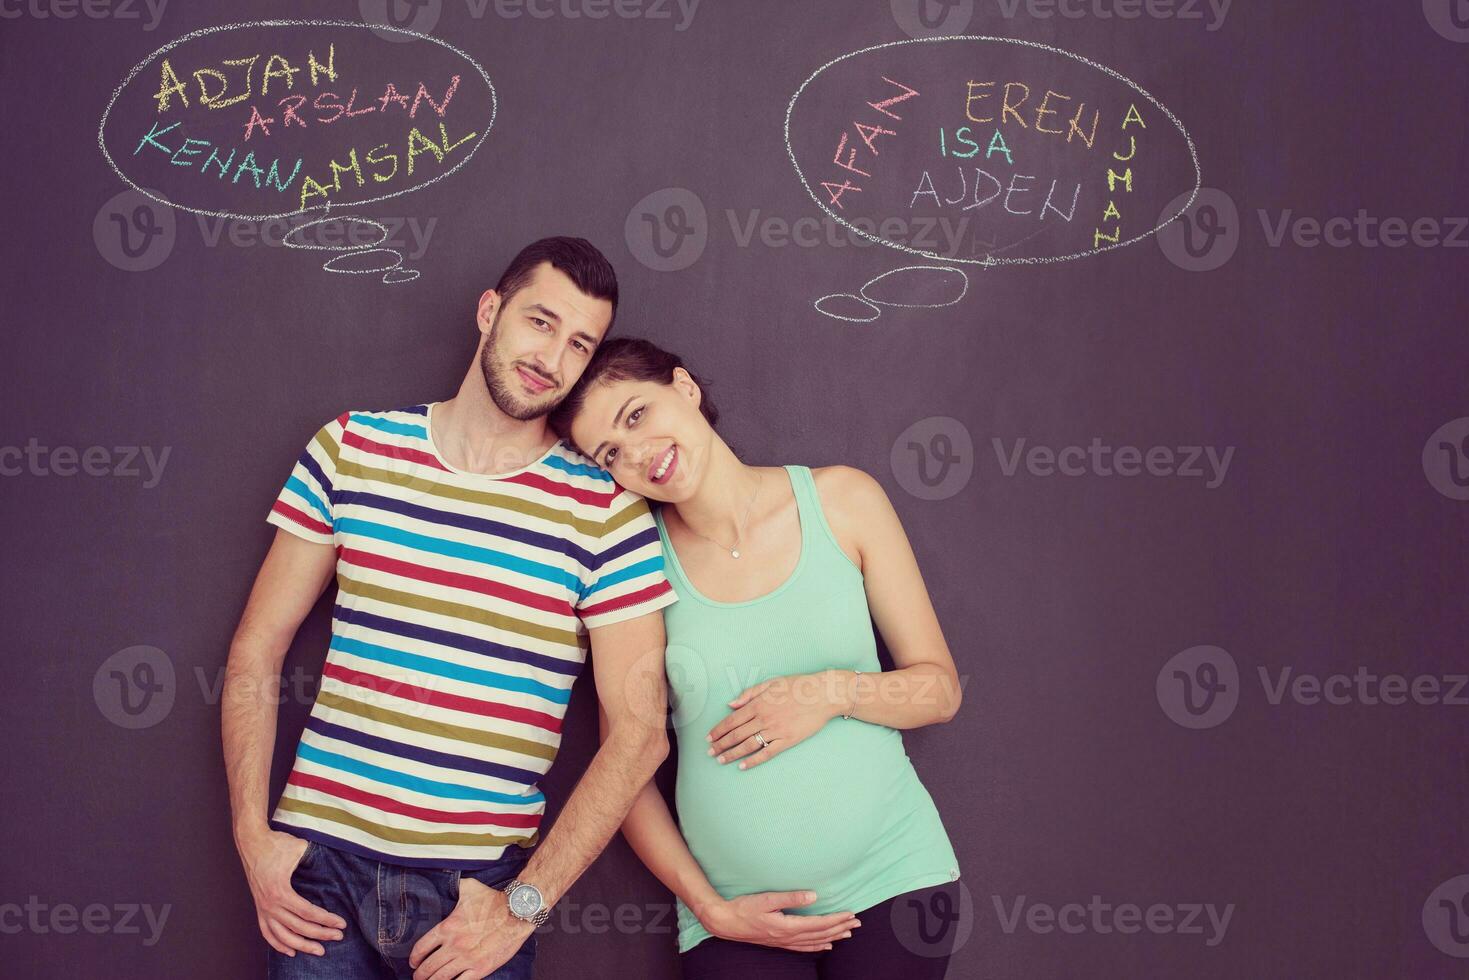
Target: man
x: 477, y: 558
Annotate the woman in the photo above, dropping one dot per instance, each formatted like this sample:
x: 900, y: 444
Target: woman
x: 792, y: 778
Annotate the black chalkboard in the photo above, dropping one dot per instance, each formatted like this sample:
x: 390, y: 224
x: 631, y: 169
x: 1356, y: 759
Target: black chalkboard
x: 1148, y: 315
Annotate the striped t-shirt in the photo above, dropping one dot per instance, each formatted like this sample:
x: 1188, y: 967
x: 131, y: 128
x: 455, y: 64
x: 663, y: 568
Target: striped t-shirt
x: 463, y: 603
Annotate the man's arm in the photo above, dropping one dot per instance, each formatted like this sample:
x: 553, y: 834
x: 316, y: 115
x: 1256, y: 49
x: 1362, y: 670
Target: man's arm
x: 481, y: 934
x: 627, y: 659
x: 291, y: 578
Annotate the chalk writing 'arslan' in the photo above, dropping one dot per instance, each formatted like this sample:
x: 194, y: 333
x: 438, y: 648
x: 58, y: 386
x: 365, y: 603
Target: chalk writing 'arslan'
x: 846, y: 156
x: 331, y: 103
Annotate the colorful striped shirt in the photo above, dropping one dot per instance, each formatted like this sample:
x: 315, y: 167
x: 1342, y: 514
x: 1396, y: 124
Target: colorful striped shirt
x: 463, y: 604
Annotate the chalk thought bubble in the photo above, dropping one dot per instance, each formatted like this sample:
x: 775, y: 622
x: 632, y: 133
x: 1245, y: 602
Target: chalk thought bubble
x: 277, y: 118
x: 1041, y: 155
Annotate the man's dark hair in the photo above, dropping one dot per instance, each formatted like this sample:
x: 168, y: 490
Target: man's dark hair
x: 578, y: 258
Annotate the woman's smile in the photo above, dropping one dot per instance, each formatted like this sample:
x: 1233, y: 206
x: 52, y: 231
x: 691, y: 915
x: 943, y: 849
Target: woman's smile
x: 662, y: 469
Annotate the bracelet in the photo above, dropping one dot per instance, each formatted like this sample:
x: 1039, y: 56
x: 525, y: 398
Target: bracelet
x: 855, y: 675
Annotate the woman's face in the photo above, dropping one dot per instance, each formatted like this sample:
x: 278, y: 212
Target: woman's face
x: 651, y: 437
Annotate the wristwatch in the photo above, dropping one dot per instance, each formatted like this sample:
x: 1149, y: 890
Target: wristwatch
x: 526, y: 902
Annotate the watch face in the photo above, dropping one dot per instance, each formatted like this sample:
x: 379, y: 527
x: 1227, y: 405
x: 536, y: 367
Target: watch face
x: 525, y: 900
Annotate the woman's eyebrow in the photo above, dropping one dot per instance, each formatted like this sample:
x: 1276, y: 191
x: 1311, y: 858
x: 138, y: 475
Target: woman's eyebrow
x: 615, y: 420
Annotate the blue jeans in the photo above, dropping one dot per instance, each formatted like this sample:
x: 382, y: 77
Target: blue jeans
x: 388, y: 908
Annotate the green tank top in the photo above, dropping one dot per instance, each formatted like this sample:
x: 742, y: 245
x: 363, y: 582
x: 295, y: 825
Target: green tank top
x: 843, y: 813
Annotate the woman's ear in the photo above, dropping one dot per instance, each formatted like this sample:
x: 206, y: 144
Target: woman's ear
x: 684, y: 383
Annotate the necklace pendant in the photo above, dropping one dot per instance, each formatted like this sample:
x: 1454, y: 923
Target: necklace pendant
x: 734, y: 553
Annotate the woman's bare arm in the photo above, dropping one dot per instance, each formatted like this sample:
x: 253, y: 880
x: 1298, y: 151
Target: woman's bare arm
x: 925, y: 687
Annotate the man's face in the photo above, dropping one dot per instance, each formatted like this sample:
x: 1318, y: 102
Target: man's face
x: 539, y: 341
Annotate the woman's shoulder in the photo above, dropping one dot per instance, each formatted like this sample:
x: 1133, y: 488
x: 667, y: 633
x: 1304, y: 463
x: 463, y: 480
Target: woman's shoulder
x: 851, y: 499
x: 847, y: 484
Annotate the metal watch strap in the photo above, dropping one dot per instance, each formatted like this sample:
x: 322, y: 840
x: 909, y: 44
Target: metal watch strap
x: 539, y: 917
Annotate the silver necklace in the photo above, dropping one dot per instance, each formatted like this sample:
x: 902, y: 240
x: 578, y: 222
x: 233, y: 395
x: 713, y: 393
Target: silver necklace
x: 740, y: 527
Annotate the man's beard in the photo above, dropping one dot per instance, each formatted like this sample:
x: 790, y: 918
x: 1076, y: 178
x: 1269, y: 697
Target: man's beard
x: 505, y: 398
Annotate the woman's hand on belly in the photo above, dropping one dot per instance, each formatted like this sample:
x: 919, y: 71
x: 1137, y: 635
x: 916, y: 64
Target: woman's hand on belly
x: 784, y: 710
x: 758, y: 919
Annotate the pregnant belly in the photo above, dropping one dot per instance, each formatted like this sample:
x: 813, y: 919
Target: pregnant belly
x: 804, y: 819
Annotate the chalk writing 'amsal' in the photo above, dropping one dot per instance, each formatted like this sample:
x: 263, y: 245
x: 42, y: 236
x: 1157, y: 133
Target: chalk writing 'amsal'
x: 216, y: 88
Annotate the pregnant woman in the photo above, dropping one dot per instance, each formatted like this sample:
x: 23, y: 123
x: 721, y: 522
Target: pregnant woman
x: 794, y: 791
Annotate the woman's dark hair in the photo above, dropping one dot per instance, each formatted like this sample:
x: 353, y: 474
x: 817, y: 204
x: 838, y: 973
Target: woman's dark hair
x: 625, y: 359
x: 578, y: 258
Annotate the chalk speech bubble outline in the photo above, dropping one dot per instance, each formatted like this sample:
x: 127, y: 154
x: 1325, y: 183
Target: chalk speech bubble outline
x: 989, y: 259
x: 138, y: 69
